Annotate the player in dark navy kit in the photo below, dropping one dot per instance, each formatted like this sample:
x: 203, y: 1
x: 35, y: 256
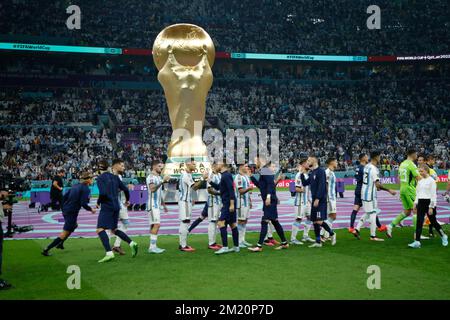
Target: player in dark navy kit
x: 267, y: 187
x: 74, y: 199
x: 109, y: 186
x: 317, y: 181
x: 357, y: 204
x: 228, y: 210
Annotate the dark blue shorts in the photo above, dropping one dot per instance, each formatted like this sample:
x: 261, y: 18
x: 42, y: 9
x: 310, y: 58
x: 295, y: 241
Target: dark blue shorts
x: 319, y: 213
x: 358, y: 200
x: 108, y: 219
x: 70, y: 221
x: 227, y: 216
x: 270, y: 212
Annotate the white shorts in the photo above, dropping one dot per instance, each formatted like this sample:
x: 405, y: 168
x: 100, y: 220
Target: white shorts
x: 154, y: 216
x: 371, y: 206
x: 184, y: 210
x: 123, y: 213
x: 302, y: 211
x: 214, y: 212
x: 331, y: 206
x: 243, y: 213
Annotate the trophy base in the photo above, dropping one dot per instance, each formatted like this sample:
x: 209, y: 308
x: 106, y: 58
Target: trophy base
x: 175, y: 166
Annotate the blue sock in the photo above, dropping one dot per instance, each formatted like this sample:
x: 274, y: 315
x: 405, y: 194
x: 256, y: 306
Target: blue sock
x: 279, y: 230
x: 353, y: 218
x: 122, y: 235
x: 224, y: 235
x: 105, y: 240
x: 262, y: 235
x: 327, y: 228
x: 194, y: 224
x: 235, y: 234
x: 55, y: 242
x: 317, y: 232
x: 379, y: 223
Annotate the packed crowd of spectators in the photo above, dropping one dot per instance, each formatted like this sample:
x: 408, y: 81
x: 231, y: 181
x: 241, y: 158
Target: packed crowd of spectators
x: 265, y: 26
x: 48, y: 107
x: 327, y: 119
x: 37, y: 153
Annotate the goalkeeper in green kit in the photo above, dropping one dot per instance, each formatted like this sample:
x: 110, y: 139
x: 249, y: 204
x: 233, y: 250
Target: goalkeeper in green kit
x: 408, y: 175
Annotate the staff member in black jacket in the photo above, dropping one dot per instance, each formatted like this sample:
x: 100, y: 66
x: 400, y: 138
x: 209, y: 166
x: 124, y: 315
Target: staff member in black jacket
x: 56, y: 190
x: 74, y: 199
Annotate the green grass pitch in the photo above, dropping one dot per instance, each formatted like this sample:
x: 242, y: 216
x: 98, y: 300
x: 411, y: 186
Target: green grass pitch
x: 338, y: 272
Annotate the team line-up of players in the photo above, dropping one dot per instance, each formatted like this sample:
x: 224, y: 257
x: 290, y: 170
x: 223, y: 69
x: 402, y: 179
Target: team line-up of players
x: 229, y: 203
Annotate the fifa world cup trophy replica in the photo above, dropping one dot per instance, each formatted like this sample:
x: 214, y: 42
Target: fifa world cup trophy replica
x: 184, y: 55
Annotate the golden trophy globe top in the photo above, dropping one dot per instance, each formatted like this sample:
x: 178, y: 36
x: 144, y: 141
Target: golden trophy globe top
x: 187, y: 42
x: 184, y: 55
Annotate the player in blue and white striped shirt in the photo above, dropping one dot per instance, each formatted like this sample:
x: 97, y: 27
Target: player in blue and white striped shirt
x: 331, y: 193
x: 154, y: 203
x: 214, y: 206
x: 371, y: 183
x: 243, y: 205
x: 186, y: 186
x: 302, y: 205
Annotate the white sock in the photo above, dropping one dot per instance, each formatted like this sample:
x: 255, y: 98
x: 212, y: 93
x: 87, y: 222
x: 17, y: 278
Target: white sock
x: 306, y: 228
x: 123, y: 228
x: 243, y: 231
x: 109, y: 253
x: 270, y: 230
x: 153, y: 239
x: 330, y: 222
x: 212, y: 232
x: 295, y: 229
x: 373, y: 224
x: 183, y: 234
x: 361, y: 221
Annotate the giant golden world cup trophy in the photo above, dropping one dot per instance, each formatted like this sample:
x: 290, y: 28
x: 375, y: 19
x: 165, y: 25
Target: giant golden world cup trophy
x: 184, y: 55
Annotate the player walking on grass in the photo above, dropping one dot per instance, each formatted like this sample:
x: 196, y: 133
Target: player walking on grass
x: 243, y: 202
x: 154, y: 203
x: 228, y: 210
x: 302, y: 206
x: 357, y: 204
x: 331, y: 194
x: 267, y: 187
x: 186, y: 186
x: 74, y: 199
x: 371, y: 183
x: 424, y: 204
x: 118, y: 170
x: 317, y: 181
x: 408, y: 175
x: 109, y: 186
